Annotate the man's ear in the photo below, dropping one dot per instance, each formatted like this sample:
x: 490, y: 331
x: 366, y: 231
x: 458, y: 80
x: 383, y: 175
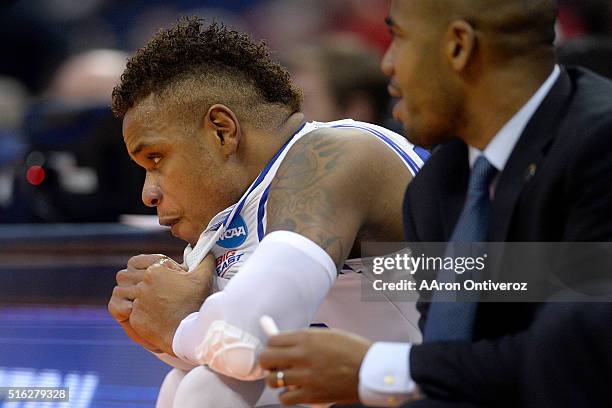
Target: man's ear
x: 460, y: 44
x: 224, y: 125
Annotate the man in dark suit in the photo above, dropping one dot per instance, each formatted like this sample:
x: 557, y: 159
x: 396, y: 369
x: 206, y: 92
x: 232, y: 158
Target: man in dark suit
x: 524, y: 154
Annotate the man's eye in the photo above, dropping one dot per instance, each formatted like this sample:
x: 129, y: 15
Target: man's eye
x: 154, y: 158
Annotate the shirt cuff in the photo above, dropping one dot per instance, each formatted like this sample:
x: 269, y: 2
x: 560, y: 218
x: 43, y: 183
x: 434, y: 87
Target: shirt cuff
x: 384, y: 376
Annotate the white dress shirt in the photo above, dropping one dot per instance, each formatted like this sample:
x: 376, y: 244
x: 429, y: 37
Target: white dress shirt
x: 384, y: 377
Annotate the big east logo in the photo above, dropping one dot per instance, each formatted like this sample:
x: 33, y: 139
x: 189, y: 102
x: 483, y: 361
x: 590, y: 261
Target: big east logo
x: 235, y: 234
x: 226, y: 260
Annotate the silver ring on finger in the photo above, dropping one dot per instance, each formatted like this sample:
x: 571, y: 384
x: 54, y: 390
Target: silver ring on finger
x: 280, y: 379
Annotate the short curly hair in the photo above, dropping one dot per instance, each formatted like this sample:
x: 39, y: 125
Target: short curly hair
x: 200, y: 65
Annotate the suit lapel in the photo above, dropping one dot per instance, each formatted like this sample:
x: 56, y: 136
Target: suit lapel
x: 527, y: 156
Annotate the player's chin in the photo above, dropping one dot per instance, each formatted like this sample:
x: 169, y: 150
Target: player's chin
x: 182, y: 231
x: 192, y: 238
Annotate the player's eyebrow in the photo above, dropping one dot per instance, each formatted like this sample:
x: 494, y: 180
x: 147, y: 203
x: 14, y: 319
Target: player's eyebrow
x: 139, y: 148
x: 153, y: 143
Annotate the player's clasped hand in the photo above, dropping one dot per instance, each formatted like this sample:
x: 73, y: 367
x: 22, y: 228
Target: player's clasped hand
x: 120, y: 304
x: 154, y: 294
x: 317, y: 365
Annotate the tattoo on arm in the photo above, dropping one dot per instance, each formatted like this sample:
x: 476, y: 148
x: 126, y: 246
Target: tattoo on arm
x: 301, y: 198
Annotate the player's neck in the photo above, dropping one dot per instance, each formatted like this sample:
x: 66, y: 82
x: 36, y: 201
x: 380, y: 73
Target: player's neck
x: 288, y: 128
x: 264, y: 144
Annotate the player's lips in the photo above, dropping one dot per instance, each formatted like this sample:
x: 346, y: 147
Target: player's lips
x: 173, y: 223
x: 168, y: 221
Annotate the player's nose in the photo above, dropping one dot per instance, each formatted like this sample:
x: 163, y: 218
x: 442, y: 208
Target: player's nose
x: 151, y: 192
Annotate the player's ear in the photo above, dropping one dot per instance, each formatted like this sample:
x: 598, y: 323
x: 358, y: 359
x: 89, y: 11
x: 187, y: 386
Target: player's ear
x: 225, y: 128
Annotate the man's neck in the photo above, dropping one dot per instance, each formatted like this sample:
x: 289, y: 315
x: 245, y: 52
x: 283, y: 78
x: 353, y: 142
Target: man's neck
x: 264, y: 144
x: 497, y: 100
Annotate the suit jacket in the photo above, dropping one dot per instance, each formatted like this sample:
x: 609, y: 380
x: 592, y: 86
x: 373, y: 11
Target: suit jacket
x: 569, y: 358
x: 567, y: 198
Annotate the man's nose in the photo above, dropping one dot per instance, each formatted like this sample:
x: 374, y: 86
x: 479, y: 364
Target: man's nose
x: 151, y: 193
x: 386, y: 64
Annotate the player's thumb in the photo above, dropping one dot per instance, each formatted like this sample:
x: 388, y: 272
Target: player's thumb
x: 206, y: 268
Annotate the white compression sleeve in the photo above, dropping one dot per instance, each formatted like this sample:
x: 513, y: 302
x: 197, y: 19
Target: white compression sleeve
x: 175, y: 362
x: 286, y: 278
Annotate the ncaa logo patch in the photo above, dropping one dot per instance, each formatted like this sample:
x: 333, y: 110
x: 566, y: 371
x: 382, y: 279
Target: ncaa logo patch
x: 235, y: 234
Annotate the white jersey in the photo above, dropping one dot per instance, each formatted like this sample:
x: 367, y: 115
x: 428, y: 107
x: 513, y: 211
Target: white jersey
x: 234, y: 234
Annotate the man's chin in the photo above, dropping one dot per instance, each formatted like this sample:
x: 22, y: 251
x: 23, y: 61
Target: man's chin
x: 180, y: 234
x: 428, y: 141
x: 397, y: 112
x: 404, y: 118
x: 192, y: 242
x: 190, y: 238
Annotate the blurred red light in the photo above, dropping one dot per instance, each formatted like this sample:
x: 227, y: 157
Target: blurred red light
x: 35, y: 175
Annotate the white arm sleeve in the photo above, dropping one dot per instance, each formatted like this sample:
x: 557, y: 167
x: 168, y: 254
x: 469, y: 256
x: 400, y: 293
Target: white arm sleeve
x: 175, y: 362
x: 286, y: 278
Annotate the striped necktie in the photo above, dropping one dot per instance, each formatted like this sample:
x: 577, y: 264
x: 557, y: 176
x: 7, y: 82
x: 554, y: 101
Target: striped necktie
x: 448, y: 320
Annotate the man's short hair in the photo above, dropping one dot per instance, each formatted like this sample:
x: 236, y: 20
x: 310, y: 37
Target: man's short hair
x: 512, y: 27
x: 196, y: 65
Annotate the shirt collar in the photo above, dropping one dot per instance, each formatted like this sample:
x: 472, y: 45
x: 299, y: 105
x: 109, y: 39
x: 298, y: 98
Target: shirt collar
x: 500, y: 147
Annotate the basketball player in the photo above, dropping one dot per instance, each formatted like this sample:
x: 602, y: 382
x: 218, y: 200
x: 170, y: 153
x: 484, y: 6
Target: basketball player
x: 281, y: 204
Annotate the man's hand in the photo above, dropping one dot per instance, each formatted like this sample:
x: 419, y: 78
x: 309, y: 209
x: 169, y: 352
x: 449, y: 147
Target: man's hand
x: 165, y: 296
x: 120, y: 304
x: 319, y: 365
